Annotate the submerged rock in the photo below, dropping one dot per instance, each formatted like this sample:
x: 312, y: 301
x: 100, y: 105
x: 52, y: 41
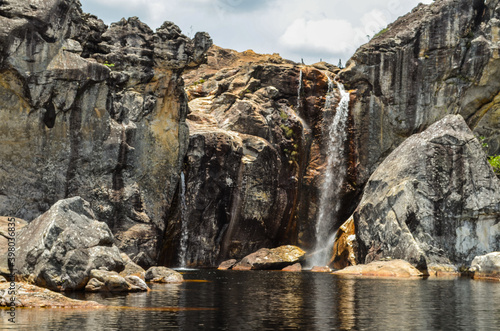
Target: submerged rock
x: 163, y: 275
x: 59, y: 249
x: 486, y: 266
x: 394, y: 268
x: 433, y: 201
x: 275, y: 258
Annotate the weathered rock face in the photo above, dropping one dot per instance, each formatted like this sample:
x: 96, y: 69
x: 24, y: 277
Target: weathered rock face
x: 251, y: 179
x: 60, y: 248
x: 439, y: 59
x: 94, y: 112
x: 275, y: 258
x: 433, y: 201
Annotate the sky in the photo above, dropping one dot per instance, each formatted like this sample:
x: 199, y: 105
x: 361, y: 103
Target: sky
x: 308, y: 30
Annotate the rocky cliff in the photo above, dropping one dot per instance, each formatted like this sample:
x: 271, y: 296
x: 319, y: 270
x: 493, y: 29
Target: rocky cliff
x: 439, y: 59
x: 93, y: 111
x: 257, y: 128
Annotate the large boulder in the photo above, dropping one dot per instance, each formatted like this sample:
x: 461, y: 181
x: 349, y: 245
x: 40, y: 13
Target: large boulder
x: 434, y: 201
x: 275, y: 258
x: 486, y: 266
x: 59, y: 249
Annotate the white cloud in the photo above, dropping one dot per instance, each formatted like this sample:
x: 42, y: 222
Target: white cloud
x: 329, y: 36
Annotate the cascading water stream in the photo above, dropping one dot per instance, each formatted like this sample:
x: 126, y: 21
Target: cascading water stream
x: 184, y: 227
x: 335, y: 171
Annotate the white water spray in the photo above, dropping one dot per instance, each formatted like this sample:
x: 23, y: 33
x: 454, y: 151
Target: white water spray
x: 336, y: 169
x: 184, y: 228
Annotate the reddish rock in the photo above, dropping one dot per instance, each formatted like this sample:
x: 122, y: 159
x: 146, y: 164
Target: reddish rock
x: 227, y: 264
x: 321, y: 269
x: 394, y: 268
x: 297, y: 267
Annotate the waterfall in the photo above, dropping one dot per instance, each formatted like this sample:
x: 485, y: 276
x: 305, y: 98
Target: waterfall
x: 184, y: 227
x: 336, y: 169
x: 299, y: 91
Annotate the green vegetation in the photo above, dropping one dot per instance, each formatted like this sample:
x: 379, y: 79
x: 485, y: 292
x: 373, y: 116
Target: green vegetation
x: 287, y: 131
x: 109, y: 65
x: 381, y: 32
x: 493, y: 160
x: 283, y: 115
x: 495, y: 163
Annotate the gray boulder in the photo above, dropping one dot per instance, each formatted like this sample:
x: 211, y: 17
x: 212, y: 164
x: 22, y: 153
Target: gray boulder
x: 486, y: 266
x: 59, y: 249
x: 434, y: 201
x: 111, y: 281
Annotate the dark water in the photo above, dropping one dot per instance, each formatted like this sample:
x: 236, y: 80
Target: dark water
x: 261, y: 300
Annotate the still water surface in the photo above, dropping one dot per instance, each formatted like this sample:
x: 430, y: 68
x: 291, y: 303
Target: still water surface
x: 271, y: 300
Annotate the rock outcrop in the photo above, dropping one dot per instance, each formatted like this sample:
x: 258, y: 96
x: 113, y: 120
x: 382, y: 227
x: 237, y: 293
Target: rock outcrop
x: 254, y: 162
x: 439, y: 59
x: 486, y: 266
x: 274, y: 259
x: 95, y: 112
x: 434, y: 201
x: 59, y: 249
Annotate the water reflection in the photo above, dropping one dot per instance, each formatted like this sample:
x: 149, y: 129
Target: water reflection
x: 282, y: 301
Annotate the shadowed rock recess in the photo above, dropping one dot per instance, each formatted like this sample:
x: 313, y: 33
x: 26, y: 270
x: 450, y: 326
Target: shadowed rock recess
x: 193, y: 154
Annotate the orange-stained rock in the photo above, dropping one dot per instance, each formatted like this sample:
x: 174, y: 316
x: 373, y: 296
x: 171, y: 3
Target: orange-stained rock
x: 393, y: 268
x: 321, y: 269
x: 37, y: 297
x: 345, y: 246
x: 297, y: 267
